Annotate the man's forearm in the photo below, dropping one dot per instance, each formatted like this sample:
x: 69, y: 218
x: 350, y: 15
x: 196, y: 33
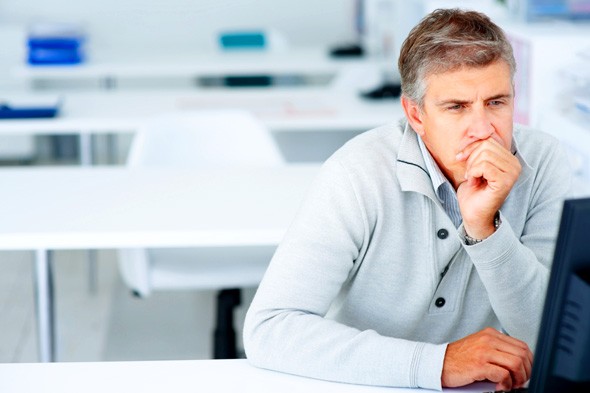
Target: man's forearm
x: 515, y: 281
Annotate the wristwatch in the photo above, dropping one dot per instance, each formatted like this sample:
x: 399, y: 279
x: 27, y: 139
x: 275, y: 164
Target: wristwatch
x: 470, y: 241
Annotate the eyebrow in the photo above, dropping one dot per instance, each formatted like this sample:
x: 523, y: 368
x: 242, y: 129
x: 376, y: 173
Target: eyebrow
x: 456, y: 101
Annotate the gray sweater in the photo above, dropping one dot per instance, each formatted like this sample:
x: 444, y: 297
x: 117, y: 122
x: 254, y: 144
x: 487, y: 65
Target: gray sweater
x: 353, y: 293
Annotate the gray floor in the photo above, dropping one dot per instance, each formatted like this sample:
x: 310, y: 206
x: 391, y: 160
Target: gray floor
x: 107, y: 325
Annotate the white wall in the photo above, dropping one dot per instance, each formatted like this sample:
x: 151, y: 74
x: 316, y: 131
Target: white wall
x: 173, y: 25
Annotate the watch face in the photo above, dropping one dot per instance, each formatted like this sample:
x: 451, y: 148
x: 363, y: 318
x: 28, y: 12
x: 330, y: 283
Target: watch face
x: 497, y: 220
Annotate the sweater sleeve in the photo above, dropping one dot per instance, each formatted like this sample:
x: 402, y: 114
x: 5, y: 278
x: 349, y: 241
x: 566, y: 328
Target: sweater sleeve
x: 514, y: 268
x: 286, y: 328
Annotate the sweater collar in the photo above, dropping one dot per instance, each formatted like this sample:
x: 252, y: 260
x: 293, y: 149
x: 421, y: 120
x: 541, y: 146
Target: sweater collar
x: 412, y: 173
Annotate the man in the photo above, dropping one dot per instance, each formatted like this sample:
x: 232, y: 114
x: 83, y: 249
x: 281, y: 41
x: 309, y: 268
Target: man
x: 420, y: 257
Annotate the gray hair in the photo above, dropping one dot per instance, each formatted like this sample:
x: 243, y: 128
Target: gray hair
x: 446, y: 40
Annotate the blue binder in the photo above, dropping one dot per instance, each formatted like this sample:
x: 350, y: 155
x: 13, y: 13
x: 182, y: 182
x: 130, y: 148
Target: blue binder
x: 56, y: 44
x: 32, y: 109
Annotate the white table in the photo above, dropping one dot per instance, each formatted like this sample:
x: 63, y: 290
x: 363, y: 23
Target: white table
x: 309, y: 109
x: 222, y: 376
x: 46, y: 209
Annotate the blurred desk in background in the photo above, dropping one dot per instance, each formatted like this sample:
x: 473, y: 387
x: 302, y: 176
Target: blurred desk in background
x: 308, y: 123
x: 215, y: 74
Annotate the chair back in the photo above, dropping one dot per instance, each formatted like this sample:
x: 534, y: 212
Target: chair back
x: 217, y: 139
x: 208, y: 139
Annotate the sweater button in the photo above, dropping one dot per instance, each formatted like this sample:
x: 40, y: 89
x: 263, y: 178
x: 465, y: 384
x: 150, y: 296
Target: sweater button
x: 442, y: 233
x: 439, y: 302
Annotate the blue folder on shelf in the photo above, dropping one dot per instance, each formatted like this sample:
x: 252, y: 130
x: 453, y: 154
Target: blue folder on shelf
x: 32, y: 108
x: 56, y: 44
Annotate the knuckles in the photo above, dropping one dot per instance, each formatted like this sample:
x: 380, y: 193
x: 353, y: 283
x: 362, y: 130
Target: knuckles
x: 515, y: 369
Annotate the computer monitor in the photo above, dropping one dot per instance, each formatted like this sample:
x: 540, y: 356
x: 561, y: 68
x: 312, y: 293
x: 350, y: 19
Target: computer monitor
x: 562, y: 359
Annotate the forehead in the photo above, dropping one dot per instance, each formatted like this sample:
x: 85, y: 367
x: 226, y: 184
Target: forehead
x: 491, y: 79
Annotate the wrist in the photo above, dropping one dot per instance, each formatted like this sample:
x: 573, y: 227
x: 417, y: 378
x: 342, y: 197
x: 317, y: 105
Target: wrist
x: 474, y: 237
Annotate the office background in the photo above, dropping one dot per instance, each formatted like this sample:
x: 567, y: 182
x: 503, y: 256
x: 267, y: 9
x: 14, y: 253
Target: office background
x: 181, y: 25
x: 176, y: 26
x: 107, y: 323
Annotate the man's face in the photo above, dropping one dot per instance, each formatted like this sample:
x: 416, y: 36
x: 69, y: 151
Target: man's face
x: 463, y: 107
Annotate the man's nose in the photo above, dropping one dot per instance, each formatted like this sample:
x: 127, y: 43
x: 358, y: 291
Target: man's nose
x: 481, y: 125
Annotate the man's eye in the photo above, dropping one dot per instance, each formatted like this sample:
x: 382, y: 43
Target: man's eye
x: 455, y: 107
x: 496, y: 103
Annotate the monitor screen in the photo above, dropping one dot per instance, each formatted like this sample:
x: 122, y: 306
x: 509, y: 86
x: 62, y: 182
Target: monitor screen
x: 562, y: 359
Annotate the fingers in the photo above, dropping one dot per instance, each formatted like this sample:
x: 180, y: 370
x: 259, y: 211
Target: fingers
x: 487, y: 355
x: 516, y: 370
x: 520, y: 349
x: 469, y: 149
x: 514, y: 366
x: 490, y: 160
x: 500, y: 376
x: 491, y: 171
x: 466, y: 152
x: 485, y: 170
x: 511, y: 354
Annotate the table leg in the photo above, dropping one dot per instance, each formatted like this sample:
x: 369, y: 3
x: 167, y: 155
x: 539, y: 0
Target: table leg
x: 92, y: 271
x: 86, y: 160
x: 86, y: 149
x: 45, y: 306
x: 113, y: 157
x: 224, y: 337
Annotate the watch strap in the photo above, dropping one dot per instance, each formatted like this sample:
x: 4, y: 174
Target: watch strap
x: 470, y: 241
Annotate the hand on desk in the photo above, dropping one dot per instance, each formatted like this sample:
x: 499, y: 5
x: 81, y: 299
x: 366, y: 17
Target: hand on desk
x: 487, y: 355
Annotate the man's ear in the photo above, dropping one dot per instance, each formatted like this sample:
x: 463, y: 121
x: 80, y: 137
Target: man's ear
x: 413, y: 114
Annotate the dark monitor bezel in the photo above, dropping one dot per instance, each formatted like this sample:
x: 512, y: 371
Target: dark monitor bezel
x: 572, y: 255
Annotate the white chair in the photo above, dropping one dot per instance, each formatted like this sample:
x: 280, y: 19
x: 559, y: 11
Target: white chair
x: 211, y: 139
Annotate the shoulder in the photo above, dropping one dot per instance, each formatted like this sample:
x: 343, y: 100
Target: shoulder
x: 546, y: 163
x: 374, y: 147
x: 366, y: 163
x: 533, y: 141
x: 536, y: 146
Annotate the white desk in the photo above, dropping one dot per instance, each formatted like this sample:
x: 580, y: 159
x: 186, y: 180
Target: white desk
x: 293, y: 109
x: 92, y: 208
x: 222, y: 376
x: 282, y: 110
